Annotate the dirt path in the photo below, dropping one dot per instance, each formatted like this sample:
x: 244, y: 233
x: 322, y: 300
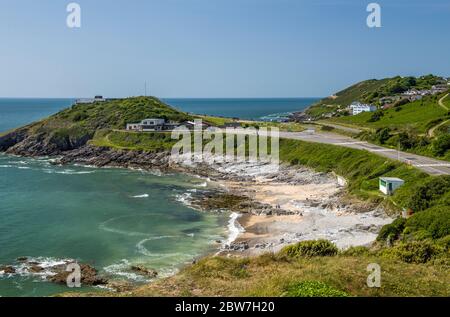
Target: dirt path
x: 441, y: 102
x: 442, y: 105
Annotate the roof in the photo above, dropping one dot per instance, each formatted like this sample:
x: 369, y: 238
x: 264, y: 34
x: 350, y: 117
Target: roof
x: 392, y: 179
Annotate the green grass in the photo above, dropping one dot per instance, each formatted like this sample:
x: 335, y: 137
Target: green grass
x: 371, y: 91
x: 414, y: 116
x: 353, y: 93
x: 269, y: 275
x: 125, y: 140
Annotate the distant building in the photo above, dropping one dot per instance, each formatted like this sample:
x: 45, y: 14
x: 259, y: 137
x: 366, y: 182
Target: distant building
x: 439, y: 88
x: 195, y: 124
x: 232, y: 125
x: 358, y: 107
x: 90, y: 100
x: 388, y: 185
x: 149, y: 125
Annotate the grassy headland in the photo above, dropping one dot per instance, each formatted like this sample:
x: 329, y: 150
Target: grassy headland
x: 416, y: 126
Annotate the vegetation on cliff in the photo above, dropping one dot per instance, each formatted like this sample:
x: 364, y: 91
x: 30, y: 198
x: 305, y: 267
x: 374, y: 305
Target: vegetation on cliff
x: 75, y: 126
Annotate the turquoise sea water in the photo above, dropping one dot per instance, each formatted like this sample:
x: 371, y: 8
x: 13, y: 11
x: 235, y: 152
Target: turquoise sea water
x: 109, y: 218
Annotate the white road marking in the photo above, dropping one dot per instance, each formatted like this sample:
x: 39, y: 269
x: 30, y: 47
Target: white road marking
x: 350, y: 143
x: 434, y: 165
x: 383, y: 150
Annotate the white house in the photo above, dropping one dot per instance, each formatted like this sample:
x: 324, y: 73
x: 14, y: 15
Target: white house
x: 147, y: 125
x: 357, y: 107
x: 91, y: 100
x: 388, y: 185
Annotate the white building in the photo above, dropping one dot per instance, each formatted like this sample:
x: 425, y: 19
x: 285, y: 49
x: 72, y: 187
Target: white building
x: 358, y: 107
x: 91, y: 100
x: 388, y: 185
x: 148, y: 125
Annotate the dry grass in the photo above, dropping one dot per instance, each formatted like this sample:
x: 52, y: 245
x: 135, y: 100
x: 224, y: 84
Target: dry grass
x: 270, y: 276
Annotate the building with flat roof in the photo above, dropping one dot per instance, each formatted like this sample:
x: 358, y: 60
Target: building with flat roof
x: 358, y: 107
x: 388, y: 185
x: 148, y: 125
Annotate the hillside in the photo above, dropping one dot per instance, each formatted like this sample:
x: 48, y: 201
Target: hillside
x: 417, y: 123
x: 371, y: 91
x: 75, y: 126
x: 417, y: 116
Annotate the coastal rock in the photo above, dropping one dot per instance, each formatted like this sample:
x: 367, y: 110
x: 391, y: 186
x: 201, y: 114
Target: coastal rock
x: 102, y: 157
x: 7, y: 269
x: 238, y: 246
x: 35, y: 269
x: 89, y: 275
x: 142, y: 270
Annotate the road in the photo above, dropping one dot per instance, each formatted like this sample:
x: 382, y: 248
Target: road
x: 426, y: 164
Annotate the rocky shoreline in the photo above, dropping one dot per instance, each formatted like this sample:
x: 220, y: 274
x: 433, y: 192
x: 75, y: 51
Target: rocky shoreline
x: 55, y: 271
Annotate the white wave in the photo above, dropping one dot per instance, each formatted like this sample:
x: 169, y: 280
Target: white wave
x: 144, y: 251
x: 5, y: 166
x: 66, y: 172
x: 46, y: 263
x: 122, y: 232
x: 141, y: 196
x: 234, y: 228
x: 185, y: 198
x: 205, y: 184
x: 123, y: 269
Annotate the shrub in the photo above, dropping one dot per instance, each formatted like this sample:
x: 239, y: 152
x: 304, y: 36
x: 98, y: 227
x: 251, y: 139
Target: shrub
x: 427, y: 193
x: 392, y: 231
x: 310, y: 249
x: 382, y: 135
x: 441, y: 144
x: 312, y: 289
x: 356, y: 251
x: 376, y: 116
x: 326, y: 128
x: 413, y: 252
x: 435, y: 222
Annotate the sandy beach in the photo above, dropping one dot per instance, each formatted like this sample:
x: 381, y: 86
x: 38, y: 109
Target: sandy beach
x: 303, y: 205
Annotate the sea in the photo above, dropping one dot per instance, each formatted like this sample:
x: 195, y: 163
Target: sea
x: 109, y: 218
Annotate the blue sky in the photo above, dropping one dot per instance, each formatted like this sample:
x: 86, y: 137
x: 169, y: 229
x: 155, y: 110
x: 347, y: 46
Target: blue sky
x: 215, y: 48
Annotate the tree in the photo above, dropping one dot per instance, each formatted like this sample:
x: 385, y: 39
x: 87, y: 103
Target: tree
x: 441, y: 144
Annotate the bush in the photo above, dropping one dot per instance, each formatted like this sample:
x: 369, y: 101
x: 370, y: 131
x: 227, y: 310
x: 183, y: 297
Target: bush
x: 413, y: 252
x: 382, y: 135
x: 441, y: 144
x: 312, y: 289
x: 427, y: 193
x: 310, y: 249
x: 356, y: 251
x: 392, y: 231
x: 376, y: 116
x: 326, y: 128
x: 435, y: 222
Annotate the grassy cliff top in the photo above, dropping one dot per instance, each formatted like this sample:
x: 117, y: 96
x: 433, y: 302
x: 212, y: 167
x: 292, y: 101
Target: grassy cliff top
x: 370, y: 91
x: 115, y: 114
